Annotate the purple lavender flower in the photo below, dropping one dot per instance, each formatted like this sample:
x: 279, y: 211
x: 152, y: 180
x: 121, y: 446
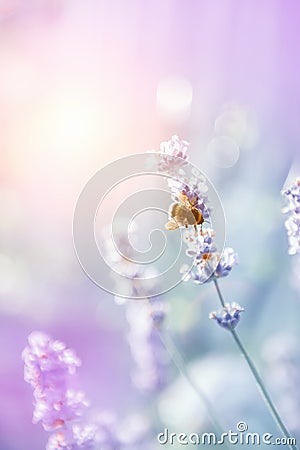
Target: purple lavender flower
x: 229, y: 316
x: 76, y: 438
x: 200, y: 243
x: 292, y: 197
x: 193, y: 192
x: 208, y: 263
x: 173, y: 155
x: 105, y: 432
x: 49, y: 367
x: 292, y: 224
x: 228, y: 259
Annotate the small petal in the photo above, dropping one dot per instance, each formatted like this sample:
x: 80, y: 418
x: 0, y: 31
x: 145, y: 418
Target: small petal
x: 229, y: 316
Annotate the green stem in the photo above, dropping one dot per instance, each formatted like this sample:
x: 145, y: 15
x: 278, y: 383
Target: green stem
x: 258, y: 379
x: 219, y: 293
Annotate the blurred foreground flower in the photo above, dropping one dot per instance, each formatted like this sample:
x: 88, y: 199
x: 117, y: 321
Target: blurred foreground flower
x: 50, y: 368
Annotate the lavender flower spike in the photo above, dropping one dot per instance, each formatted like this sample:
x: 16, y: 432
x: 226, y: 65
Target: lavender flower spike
x: 229, y: 316
x: 173, y: 155
x: 50, y: 368
x: 209, y: 264
x: 292, y: 224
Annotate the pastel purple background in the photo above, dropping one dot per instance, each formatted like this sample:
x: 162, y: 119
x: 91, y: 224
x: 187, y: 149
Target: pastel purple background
x: 80, y: 85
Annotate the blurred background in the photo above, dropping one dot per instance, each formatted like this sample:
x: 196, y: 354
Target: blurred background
x: 84, y: 83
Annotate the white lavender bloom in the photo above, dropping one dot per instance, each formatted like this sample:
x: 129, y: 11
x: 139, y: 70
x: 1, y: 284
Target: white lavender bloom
x: 173, y: 155
x: 292, y: 209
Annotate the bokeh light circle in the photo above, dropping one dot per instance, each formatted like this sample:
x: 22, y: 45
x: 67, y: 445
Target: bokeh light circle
x: 223, y: 152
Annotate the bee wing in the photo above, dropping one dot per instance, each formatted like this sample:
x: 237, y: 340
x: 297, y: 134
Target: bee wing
x: 172, y: 225
x: 190, y: 218
x: 184, y: 200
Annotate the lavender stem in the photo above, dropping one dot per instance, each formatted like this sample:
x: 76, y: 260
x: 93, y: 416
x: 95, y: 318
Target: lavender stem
x: 261, y: 386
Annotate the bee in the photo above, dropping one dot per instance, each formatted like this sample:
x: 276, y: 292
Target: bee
x: 184, y: 213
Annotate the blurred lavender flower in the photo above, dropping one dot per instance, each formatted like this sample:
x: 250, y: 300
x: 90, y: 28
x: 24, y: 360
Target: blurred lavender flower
x: 105, y: 433
x: 118, y: 250
x: 49, y: 367
x: 209, y: 264
x: 76, y: 438
x: 145, y: 317
x: 119, y: 255
x: 129, y: 434
x: 152, y: 361
x: 229, y: 316
x: 292, y: 224
x: 173, y: 155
